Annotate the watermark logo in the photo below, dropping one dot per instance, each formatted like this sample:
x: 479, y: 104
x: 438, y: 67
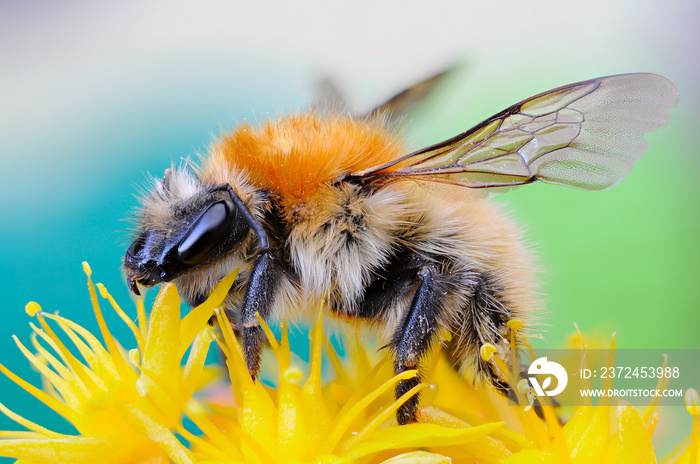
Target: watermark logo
x: 575, y: 377
x: 552, y: 369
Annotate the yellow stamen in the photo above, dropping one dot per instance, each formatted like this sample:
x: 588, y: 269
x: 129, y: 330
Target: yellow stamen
x: 72, y: 396
x: 213, y: 452
x: 32, y: 308
x: 661, y: 384
x: 293, y: 375
x: 346, y: 419
x: 363, y: 365
x: 340, y: 371
x: 137, y: 333
x: 58, y: 366
x: 652, y: 424
x: 60, y: 408
x: 274, y: 344
x: 199, y: 416
x: 524, y: 388
x: 364, y: 388
x: 135, y: 357
x: 382, y: 417
x: 445, y: 334
x: 141, y: 316
x: 515, y: 324
x: 96, y: 355
x: 487, y: 351
x: 30, y: 425
x: 313, y: 383
x: 692, y: 401
x: 112, y: 347
x: 76, y: 366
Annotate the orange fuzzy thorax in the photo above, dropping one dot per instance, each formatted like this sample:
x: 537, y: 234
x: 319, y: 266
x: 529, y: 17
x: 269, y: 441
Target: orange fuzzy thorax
x: 296, y: 154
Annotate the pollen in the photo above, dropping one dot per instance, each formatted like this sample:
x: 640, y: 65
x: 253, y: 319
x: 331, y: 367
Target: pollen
x: 296, y: 154
x: 486, y: 351
x: 87, y: 269
x: 515, y: 324
x: 32, y: 308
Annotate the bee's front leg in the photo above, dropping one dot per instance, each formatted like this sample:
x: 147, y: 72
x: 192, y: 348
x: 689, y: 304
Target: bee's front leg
x: 259, y: 297
x: 414, y: 335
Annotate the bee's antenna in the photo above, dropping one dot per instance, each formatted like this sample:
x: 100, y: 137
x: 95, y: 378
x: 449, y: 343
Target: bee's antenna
x: 257, y: 227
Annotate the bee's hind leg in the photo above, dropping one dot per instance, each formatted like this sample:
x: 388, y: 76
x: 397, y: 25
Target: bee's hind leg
x: 416, y: 332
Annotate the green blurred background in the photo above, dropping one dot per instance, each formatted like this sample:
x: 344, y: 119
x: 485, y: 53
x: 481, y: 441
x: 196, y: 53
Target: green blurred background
x: 93, y: 95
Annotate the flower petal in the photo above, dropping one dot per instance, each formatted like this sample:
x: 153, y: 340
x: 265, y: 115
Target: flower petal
x: 531, y: 457
x: 418, y: 457
x: 418, y: 435
x: 156, y: 432
x: 197, y: 318
x: 586, y: 438
x: 195, y: 361
x: 295, y: 438
x: 486, y: 449
x: 633, y: 445
x: 74, y: 450
x: 313, y: 388
x: 161, y: 361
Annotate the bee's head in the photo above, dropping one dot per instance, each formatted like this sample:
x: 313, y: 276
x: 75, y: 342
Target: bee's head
x: 182, y: 225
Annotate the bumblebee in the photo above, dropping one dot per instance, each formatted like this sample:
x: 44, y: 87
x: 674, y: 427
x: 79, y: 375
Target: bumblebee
x: 333, y: 209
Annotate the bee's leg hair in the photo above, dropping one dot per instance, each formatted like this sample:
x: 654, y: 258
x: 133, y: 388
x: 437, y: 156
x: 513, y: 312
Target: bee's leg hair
x: 484, y: 320
x: 415, y: 333
x: 259, y: 297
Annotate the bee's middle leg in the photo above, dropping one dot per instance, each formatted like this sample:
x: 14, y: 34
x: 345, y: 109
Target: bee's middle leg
x: 415, y: 333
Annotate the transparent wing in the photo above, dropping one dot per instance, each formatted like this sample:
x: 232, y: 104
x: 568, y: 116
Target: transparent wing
x: 585, y: 135
x: 329, y: 98
x: 407, y: 100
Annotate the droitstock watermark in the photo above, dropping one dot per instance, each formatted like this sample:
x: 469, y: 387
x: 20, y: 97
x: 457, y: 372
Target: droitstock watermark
x: 577, y: 377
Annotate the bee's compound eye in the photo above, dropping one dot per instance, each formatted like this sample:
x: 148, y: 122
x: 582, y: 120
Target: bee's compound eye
x: 207, y: 233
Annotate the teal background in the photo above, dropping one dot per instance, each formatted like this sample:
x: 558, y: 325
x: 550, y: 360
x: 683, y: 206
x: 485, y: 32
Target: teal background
x: 95, y: 95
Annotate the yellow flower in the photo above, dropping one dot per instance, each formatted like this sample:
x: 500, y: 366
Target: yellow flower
x: 149, y: 405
